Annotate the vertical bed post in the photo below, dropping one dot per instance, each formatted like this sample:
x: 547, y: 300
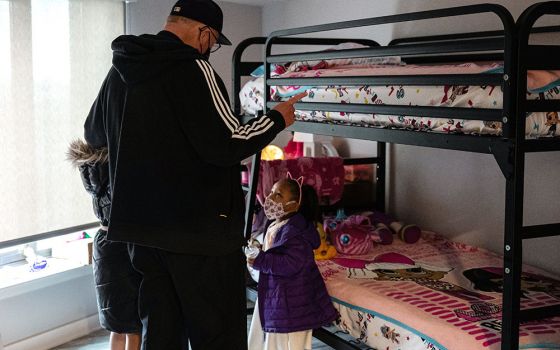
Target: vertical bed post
x: 236, y: 80
x: 251, y: 194
x: 515, y: 231
x: 240, y: 69
x: 514, y: 131
x: 381, y: 176
x: 256, y: 159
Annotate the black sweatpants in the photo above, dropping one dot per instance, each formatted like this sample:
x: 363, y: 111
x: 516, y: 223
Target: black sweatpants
x: 193, y: 298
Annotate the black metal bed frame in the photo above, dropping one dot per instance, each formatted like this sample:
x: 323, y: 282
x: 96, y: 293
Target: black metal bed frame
x: 510, y: 45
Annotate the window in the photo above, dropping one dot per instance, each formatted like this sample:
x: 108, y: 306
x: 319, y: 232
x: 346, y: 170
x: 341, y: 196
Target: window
x: 54, y: 54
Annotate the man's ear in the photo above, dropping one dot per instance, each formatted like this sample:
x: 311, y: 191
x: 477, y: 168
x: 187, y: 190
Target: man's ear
x: 205, y: 35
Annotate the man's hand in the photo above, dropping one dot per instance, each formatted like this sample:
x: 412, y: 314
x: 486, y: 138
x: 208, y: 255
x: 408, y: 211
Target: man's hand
x: 287, y: 109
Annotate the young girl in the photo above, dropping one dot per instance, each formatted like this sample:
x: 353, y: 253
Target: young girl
x: 116, y: 281
x: 292, y: 297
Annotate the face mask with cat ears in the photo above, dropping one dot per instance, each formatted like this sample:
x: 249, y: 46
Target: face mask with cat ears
x: 299, y: 181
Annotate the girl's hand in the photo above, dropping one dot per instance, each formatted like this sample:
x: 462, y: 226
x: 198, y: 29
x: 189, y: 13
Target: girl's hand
x: 251, y: 253
x: 254, y: 243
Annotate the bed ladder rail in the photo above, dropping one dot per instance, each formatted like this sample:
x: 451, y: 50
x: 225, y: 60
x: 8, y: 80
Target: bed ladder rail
x: 528, y: 57
x: 536, y: 231
x: 539, y: 313
x: 541, y: 145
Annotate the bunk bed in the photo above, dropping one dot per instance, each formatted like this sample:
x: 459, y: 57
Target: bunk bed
x: 508, y: 147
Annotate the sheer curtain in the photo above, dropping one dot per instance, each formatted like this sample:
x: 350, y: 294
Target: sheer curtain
x: 54, y: 55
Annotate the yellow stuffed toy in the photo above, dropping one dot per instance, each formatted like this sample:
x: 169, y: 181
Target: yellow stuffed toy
x: 325, y: 250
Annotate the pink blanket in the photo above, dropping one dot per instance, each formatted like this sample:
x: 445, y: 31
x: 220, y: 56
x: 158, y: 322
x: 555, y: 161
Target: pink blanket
x: 443, y: 290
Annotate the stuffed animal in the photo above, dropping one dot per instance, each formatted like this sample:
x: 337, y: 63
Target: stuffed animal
x: 355, y: 235
x: 407, y: 233
x: 326, y: 250
x: 382, y: 234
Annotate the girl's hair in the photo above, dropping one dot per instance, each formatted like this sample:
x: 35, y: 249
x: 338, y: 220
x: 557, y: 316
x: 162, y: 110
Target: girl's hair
x: 309, y: 205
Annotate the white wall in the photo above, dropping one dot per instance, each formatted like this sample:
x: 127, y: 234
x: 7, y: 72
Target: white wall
x: 458, y: 194
x: 49, y: 311
x: 240, y: 22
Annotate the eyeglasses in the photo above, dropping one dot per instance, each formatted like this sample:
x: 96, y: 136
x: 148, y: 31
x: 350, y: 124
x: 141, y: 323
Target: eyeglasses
x: 216, y: 45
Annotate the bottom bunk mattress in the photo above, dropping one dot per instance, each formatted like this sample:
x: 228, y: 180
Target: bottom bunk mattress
x: 434, y: 294
x: 537, y: 124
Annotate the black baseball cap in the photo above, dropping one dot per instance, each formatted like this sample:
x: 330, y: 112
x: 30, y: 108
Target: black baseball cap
x: 203, y: 11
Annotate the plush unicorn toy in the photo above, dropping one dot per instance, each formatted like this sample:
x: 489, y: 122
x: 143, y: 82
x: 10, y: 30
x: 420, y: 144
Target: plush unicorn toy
x: 355, y: 235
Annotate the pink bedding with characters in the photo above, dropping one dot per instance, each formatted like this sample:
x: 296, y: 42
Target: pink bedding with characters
x: 434, y: 294
x: 541, y: 85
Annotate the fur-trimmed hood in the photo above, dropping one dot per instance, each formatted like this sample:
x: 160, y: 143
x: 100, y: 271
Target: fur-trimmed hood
x: 80, y: 153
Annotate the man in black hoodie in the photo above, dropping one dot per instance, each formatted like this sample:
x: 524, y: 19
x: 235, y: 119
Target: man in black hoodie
x: 174, y: 152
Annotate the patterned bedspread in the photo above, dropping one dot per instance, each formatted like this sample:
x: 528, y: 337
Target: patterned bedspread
x: 434, y: 294
x: 542, y: 86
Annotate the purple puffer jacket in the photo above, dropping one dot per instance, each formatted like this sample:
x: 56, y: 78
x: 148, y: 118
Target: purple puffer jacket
x: 291, y: 294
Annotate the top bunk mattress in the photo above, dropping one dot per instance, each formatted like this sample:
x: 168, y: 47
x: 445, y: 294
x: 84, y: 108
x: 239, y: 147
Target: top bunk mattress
x: 541, y: 85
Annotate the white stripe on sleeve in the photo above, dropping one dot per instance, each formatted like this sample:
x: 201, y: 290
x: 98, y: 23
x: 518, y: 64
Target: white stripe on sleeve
x: 238, y: 131
x: 211, y: 79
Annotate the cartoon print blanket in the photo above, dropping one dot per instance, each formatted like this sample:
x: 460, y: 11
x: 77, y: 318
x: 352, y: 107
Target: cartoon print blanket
x: 447, y: 293
x: 544, y: 84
